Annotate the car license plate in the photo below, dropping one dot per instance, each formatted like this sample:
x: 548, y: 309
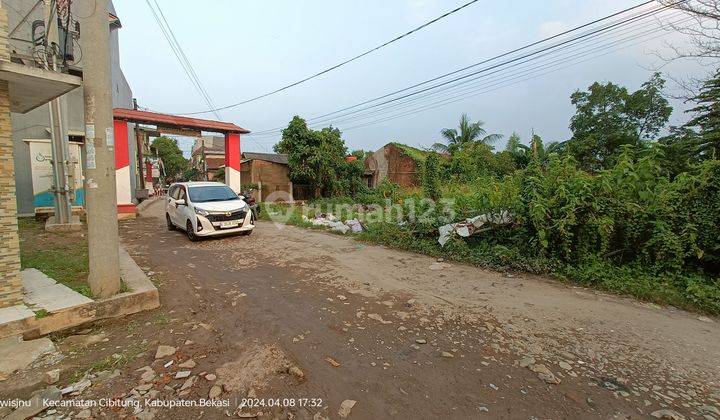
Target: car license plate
x: 229, y: 224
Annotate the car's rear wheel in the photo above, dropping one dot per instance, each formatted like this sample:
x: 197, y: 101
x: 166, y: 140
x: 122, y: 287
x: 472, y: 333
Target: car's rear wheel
x: 169, y: 222
x: 190, y: 232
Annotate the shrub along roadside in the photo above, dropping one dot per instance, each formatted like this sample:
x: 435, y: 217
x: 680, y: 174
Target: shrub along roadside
x: 692, y: 292
x: 628, y: 230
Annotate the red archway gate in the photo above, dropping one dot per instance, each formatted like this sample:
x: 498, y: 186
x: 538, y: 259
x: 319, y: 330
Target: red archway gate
x: 169, y: 124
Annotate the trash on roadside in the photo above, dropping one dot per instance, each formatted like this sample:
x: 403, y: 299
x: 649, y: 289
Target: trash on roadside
x: 339, y: 227
x: 472, y: 226
x: 330, y: 221
x: 354, y: 225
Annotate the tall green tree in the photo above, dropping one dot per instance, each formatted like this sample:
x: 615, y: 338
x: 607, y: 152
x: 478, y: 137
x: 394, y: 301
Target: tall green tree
x: 520, y: 152
x: 608, y: 117
x: 171, y: 155
x: 523, y: 154
x: 471, y: 161
x: 316, y: 158
x: 706, y: 119
x: 468, y: 132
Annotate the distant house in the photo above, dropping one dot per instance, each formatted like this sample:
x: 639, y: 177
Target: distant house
x: 208, y: 155
x: 270, y: 172
x: 398, y: 163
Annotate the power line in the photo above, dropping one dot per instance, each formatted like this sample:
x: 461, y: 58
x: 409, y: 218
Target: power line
x: 499, y: 56
x: 500, y: 84
x: 570, y: 53
x: 549, y: 51
x: 187, y: 61
x: 551, y: 47
x: 497, y: 86
x: 183, y: 59
x: 329, y: 69
x: 180, y: 54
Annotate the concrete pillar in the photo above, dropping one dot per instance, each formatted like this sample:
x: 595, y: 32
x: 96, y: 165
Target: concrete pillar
x: 101, y: 208
x: 123, y: 188
x: 232, y: 161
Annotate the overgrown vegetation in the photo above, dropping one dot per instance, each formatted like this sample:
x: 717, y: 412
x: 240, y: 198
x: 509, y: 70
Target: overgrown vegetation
x: 317, y: 159
x: 615, y: 207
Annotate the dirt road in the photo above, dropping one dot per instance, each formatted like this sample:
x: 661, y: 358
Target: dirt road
x: 317, y: 319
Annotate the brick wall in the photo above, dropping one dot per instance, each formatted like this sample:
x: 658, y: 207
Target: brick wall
x: 272, y: 176
x: 401, y: 168
x: 10, y: 284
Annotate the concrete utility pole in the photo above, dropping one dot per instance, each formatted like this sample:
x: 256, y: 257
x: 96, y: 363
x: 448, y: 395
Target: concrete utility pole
x: 59, y: 143
x: 101, y: 206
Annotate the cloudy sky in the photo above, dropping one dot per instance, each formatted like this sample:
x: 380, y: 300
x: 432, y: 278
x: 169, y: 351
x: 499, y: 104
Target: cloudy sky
x: 241, y: 49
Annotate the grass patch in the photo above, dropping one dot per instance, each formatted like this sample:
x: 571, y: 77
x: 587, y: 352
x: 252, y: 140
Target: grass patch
x: 41, y: 313
x: 162, y: 319
x: 62, y: 256
x: 124, y: 288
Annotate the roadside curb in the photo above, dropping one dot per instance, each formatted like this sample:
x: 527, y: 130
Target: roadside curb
x: 143, y: 295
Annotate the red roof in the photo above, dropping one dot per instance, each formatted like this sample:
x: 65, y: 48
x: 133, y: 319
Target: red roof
x: 154, y: 118
x: 215, y: 163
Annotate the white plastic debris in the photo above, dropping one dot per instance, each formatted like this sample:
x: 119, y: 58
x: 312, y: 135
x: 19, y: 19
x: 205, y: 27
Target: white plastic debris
x: 339, y: 227
x: 469, y: 227
x: 354, y: 225
x: 330, y: 221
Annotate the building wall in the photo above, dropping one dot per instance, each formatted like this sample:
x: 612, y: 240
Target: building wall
x: 10, y: 282
x: 402, y: 169
x: 36, y: 123
x: 272, y: 176
x: 391, y: 163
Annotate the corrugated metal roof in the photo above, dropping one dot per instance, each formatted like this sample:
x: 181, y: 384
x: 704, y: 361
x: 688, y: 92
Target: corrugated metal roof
x: 269, y: 157
x: 154, y: 118
x: 214, y: 163
x: 209, y: 151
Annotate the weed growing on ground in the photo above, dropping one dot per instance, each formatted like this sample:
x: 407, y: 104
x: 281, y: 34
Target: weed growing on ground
x: 41, y: 313
x: 162, y: 319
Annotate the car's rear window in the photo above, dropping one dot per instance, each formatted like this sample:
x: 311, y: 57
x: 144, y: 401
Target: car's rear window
x: 211, y: 193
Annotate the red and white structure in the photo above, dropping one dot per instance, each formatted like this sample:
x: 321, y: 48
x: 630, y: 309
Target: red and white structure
x: 122, y: 168
x: 232, y: 161
x: 168, y: 124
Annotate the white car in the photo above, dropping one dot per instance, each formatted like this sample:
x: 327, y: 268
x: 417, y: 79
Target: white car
x: 207, y: 209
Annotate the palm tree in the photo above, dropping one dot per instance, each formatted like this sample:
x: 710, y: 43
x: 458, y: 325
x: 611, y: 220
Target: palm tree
x: 515, y: 146
x: 521, y: 153
x: 468, y: 133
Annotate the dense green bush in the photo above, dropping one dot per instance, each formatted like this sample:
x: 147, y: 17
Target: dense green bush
x: 431, y: 176
x: 629, y: 229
